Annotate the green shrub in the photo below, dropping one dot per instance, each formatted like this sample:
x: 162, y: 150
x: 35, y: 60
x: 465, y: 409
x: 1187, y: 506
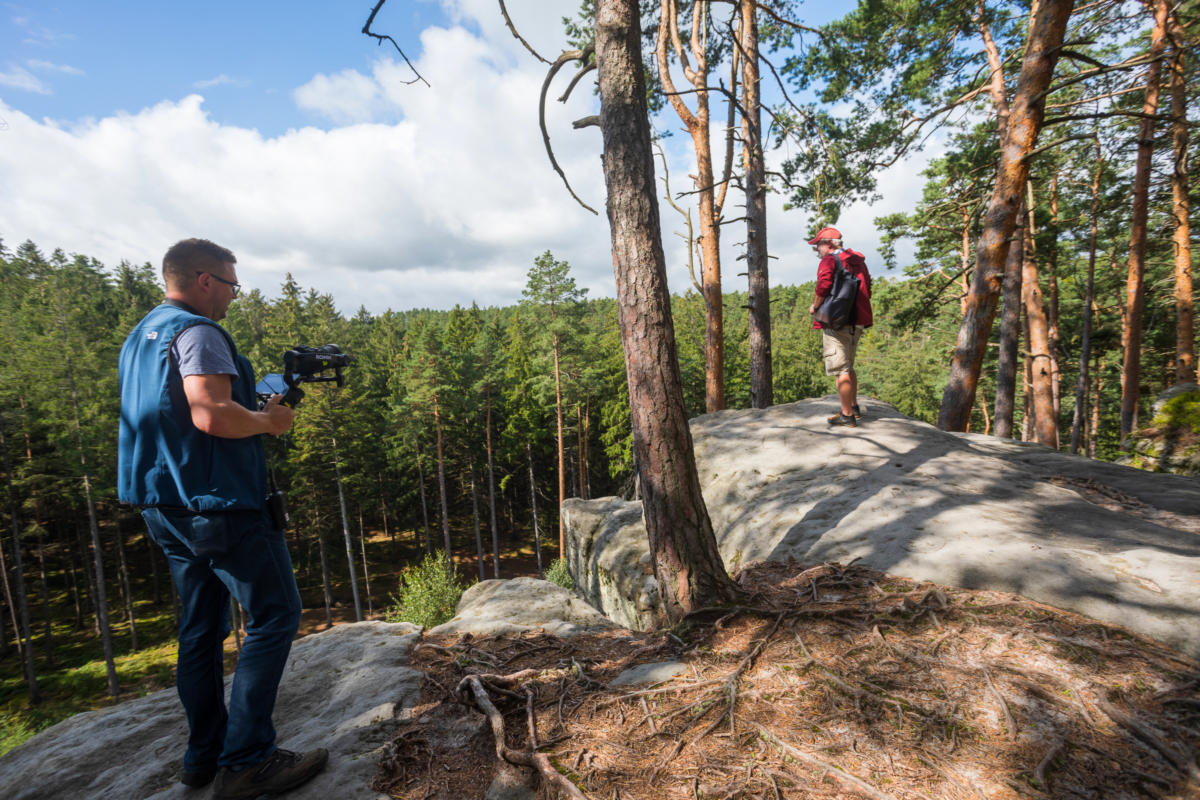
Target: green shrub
x: 558, y: 573
x: 428, y: 594
x: 1181, y: 411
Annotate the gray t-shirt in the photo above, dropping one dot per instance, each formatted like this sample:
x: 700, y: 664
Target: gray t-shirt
x: 202, y: 350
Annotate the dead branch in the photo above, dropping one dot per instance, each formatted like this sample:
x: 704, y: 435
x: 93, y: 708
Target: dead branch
x: 565, y: 58
x: 508, y: 21
x: 474, y: 686
x: 366, y: 29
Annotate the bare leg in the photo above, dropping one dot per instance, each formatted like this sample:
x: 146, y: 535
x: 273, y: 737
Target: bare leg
x: 847, y: 387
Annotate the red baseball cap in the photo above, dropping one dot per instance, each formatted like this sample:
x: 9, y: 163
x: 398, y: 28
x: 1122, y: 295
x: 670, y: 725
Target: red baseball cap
x: 825, y: 234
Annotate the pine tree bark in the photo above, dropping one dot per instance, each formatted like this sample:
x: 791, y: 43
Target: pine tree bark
x: 761, y: 390
x: 562, y: 468
x: 1135, y: 291
x: 1025, y: 121
x: 1185, y: 332
x: 424, y: 505
x: 123, y: 575
x: 687, y: 563
x: 325, y: 576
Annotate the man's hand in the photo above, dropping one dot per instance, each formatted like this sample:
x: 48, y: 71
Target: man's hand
x: 279, y: 416
x: 215, y: 412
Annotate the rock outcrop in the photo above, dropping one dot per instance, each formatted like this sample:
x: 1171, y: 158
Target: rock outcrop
x: 344, y: 689
x: 522, y: 604
x: 1114, y: 543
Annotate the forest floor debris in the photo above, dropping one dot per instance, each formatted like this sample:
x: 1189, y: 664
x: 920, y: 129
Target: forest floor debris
x: 829, y: 681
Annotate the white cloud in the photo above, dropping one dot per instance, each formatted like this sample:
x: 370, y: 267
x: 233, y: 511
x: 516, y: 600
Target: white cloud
x: 347, y: 97
x: 24, y: 80
x: 47, y: 66
x: 221, y: 80
x: 448, y: 205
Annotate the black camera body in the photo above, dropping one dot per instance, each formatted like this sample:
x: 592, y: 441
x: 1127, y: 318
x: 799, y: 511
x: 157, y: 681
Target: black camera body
x: 304, y: 364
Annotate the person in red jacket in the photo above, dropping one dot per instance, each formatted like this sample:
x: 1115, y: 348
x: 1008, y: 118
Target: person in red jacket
x: 841, y: 345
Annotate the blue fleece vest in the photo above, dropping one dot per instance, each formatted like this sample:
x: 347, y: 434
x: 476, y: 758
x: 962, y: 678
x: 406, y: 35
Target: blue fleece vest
x: 162, y: 458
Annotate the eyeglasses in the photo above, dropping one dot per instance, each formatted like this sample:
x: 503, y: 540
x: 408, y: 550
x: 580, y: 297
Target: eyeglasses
x: 234, y: 285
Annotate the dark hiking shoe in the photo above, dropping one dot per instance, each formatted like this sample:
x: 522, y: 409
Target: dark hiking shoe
x: 279, y: 772
x: 841, y: 419
x: 856, y: 411
x: 198, y: 776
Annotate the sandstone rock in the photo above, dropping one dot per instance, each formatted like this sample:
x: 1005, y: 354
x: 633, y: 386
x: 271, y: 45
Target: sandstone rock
x: 960, y: 509
x: 343, y: 689
x: 522, y: 604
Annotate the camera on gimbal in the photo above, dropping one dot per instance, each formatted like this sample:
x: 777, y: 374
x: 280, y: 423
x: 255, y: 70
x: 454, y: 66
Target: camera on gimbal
x: 304, y: 364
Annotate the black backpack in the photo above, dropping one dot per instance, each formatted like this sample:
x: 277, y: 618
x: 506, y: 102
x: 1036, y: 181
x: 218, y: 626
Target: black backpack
x: 838, y: 309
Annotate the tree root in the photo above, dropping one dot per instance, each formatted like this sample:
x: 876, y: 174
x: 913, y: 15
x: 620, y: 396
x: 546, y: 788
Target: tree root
x: 472, y: 686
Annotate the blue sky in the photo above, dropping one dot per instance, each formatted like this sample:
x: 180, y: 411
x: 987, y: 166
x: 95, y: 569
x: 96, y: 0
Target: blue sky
x: 279, y: 130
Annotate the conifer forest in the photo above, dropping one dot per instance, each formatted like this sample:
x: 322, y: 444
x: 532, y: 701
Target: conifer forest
x: 1049, y: 300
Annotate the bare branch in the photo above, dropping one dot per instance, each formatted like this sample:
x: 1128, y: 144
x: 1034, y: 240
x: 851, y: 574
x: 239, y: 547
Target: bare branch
x: 564, y: 59
x: 592, y: 121
x: 687, y: 215
x: 382, y: 37
x: 508, y: 21
x: 578, y: 77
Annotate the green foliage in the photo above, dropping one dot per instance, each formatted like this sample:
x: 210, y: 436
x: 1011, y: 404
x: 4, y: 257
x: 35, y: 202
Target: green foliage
x: 1181, y: 412
x: 428, y: 593
x: 559, y: 574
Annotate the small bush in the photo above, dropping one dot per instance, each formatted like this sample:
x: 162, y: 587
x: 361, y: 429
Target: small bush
x: 428, y: 594
x: 558, y: 573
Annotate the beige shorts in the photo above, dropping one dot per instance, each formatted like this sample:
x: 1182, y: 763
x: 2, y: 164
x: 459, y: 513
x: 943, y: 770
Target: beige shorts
x: 840, y: 347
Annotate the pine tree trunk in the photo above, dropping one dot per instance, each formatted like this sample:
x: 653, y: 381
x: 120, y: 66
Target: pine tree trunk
x: 47, y: 619
x: 1085, y: 344
x: 325, y: 577
x: 687, y: 563
x: 155, y: 577
x: 1025, y: 121
x: 1185, y: 332
x: 1052, y: 302
x: 537, y: 534
x: 478, y: 533
x: 123, y: 575
x: 1045, y: 422
x: 697, y: 125
x: 1135, y: 292
x: 1010, y: 336
x: 337, y: 471
x: 761, y: 391
x: 562, y: 471
x: 441, y: 465
x: 362, y: 540
x: 424, y: 506
x: 20, y: 602
x: 492, y: 490
x: 1094, y: 431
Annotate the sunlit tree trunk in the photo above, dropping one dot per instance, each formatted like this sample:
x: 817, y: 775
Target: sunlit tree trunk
x: 1025, y: 121
x: 1185, y: 334
x: 686, y: 560
x: 537, y: 533
x: 697, y: 124
x: 1135, y: 291
x: 1041, y: 397
x: 437, y: 426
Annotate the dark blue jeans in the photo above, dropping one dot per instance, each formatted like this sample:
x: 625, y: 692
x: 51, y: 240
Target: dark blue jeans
x: 213, y: 556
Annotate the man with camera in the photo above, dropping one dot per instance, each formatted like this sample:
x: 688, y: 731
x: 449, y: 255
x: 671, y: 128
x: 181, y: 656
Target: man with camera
x: 190, y: 456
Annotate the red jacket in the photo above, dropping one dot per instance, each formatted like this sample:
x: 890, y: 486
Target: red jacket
x: 856, y: 263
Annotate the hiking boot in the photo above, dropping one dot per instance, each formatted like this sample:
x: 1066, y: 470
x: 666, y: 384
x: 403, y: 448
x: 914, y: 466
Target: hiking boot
x: 841, y: 419
x: 196, y: 777
x: 856, y: 411
x: 277, y: 773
